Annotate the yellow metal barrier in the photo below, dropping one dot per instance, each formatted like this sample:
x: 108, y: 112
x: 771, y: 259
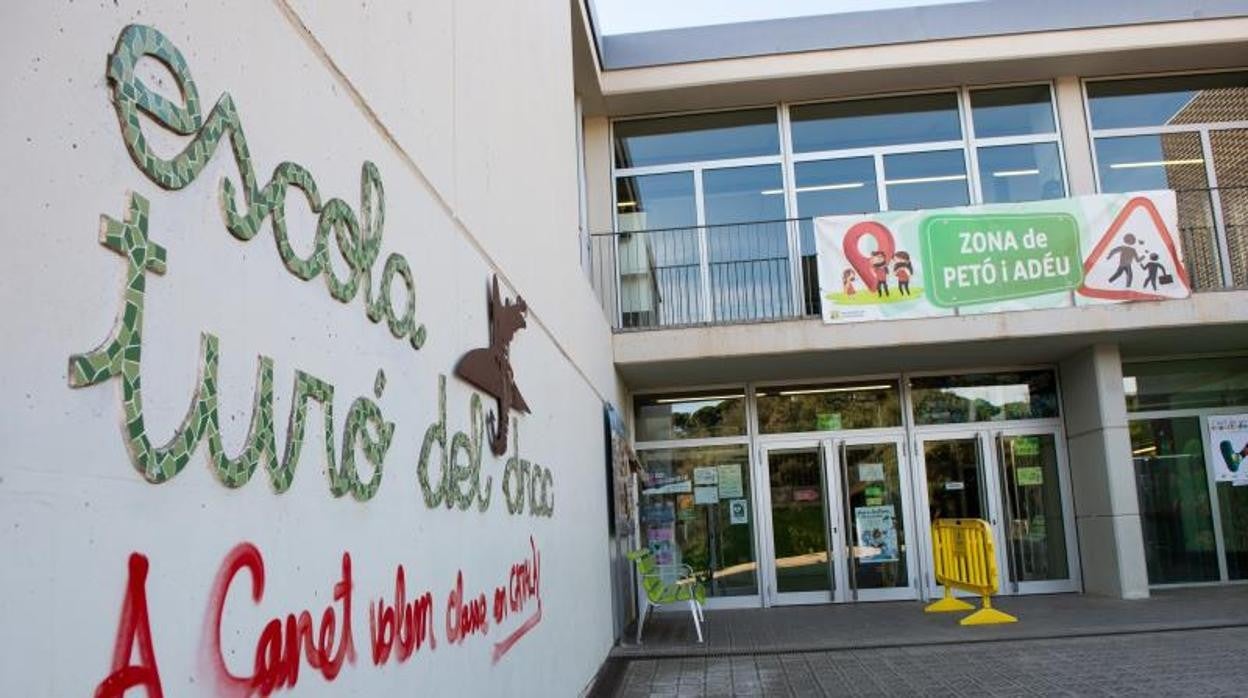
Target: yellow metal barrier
x: 966, y: 559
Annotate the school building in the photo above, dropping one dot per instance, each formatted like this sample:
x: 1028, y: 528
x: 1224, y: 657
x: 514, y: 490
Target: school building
x: 1082, y: 433
x: 349, y: 348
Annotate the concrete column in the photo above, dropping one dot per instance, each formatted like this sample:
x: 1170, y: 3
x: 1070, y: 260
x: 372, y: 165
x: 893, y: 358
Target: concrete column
x: 1076, y: 142
x: 1107, y: 511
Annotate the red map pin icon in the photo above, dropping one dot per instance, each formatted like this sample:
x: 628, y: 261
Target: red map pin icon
x: 861, y: 263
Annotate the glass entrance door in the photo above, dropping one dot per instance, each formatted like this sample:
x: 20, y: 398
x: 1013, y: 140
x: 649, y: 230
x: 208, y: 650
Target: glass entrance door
x: 876, y: 493
x: 1016, y: 481
x: 800, y: 533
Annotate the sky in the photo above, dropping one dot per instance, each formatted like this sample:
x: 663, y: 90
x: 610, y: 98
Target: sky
x: 628, y: 16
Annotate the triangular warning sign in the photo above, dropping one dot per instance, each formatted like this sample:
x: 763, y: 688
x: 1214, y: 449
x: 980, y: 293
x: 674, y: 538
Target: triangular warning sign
x: 1136, y: 259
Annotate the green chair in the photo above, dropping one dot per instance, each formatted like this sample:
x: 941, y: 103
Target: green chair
x: 665, y: 585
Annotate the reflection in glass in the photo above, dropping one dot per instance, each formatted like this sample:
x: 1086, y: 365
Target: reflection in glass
x: 829, y: 188
x: 1230, y: 164
x: 1033, y: 505
x: 696, y: 137
x: 865, y: 123
x: 1173, y: 491
x: 1233, y: 506
x: 1185, y: 384
x: 749, y: 260
x: 877, y: 532
x: 658, y: 254
x: 1010, y: 173
x: 715, y: 539
x: 1182, y: 99
x: 1012, y: 111
x: 984, y: 397
x: 797, y: 408
x: 926, y: 180
x: 799, y: 520
x: 690, y: 415
x: 954, y: 489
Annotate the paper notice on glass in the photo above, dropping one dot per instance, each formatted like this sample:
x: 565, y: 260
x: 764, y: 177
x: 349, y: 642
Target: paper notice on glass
x: 680, y: 486
x: 954, y: 486
x: 876, y: 529
x: 1029, y: 476
x: 707, y: 475
x: 1228, y: 434
x: 871, y: 472
x: 730, y: 485
x: 738, y: 511
x: 706, y: 495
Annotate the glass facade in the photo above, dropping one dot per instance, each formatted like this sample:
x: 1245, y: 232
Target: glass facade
x: 682, y: 528
x: 824, y: 512
x: 984, y: 397
x: 1195, y: 527
x: 690, y: 416
x: 802, y: 408
x: 729, y: 180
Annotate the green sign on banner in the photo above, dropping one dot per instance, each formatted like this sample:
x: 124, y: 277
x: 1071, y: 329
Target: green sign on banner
x: 995, y: 257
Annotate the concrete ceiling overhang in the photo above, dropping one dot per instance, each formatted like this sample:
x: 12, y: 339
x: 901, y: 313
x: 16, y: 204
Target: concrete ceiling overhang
x: 1208, y: 323
x: 853, y: 71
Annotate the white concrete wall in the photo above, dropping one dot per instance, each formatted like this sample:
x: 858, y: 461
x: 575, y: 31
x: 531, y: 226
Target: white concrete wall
x: 466, y: 109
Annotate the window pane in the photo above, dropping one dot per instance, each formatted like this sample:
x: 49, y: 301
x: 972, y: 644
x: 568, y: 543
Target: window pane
x: 1010, y: 173
x: 1233, y: 505
x: 1178, y: 385
x: 829, y: 188
x: 1230, y: 163
x: 712, y: 539
x: 660, y: 271
x: 690, y: 416
x: 984, y: 397
x: 1036, y: 527
x: 651, y: 202
x: 1184, y: 99
x: 1169, y: 161
x: 696, y: 137
x: 799, y: 520
x: 1173, y: 491
x: 1139, y: 163
x: 749, y: 257
x: 794, y: 408
x: 875, y: 122
x: 1012, y: 111
x: 925, y: 180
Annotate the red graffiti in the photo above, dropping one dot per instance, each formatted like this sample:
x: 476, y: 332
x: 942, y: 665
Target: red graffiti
x: 526, y: 584
x: 408, y: 625
x: 133, y: 625
x: 280, y: 646
x: 464, y: 619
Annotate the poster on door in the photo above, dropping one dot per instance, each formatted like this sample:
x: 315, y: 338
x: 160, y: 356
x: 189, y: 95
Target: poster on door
x: 876, y: 528
x: 1228, y: 434
x: 1084, y: 250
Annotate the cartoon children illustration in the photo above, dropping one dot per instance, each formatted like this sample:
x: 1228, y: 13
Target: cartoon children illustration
x: 1127, y: 256
x: 903, y: 270
x: 879, y: 263
x: 848, y: 277
x: 1153, y: 267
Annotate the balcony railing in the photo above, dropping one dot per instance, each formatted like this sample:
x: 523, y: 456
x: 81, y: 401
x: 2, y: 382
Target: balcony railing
x: 765, y: 270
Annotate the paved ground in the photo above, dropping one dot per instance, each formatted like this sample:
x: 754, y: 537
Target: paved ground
x: 1191, y: 642
x: 863, y: 625
x: 1170, y: 663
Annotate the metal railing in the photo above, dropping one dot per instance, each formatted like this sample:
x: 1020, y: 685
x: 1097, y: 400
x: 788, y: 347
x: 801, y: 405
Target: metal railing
x: 765, y: 270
